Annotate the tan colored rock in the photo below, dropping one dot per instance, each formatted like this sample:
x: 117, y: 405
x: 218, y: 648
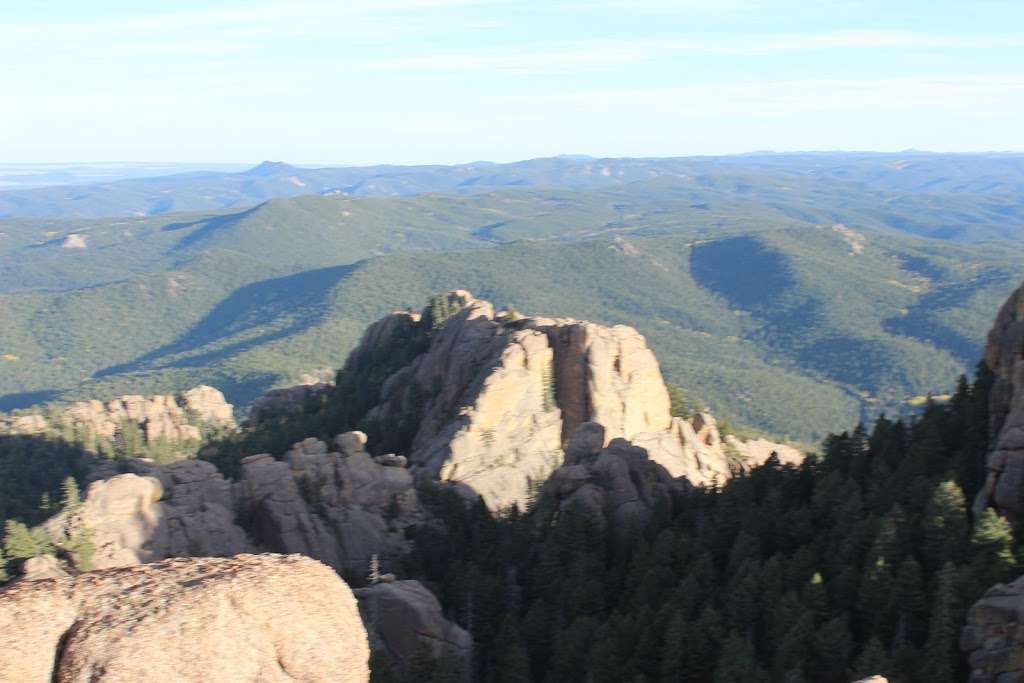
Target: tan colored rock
x: 873, y: 679
x: 402, y: 617
x: 1004, y: 356
x: 181, y: 509
x: 491, y: 402
x: 161, y: 418
x: 993, y: 639
x: 246, y: 618
x: 42, y: 567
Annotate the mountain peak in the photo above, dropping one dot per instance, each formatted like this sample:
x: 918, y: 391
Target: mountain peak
x: 268, y: 168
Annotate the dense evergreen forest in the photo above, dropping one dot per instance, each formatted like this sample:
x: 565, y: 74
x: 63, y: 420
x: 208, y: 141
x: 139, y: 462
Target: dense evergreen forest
x: 861, y: 561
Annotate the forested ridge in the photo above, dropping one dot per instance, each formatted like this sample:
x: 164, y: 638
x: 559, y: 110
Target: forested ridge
x: 861, y: 561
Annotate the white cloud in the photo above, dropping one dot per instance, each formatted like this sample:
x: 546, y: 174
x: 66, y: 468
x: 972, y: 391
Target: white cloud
x: 978, y: 93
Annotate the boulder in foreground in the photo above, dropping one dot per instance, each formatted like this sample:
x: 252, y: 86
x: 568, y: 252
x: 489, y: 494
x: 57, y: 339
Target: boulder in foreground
x: 246, y: 618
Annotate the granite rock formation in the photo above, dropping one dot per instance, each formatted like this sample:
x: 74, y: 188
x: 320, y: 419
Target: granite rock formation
x: 403, y: 617
x: 994, y: 636
x: 340, y: 506
x: 490, y: 400
x: 1004, y: 356
x: 162, y: 418
x: 246, y: 618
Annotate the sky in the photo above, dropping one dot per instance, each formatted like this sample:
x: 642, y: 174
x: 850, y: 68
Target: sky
x: 446, y: 81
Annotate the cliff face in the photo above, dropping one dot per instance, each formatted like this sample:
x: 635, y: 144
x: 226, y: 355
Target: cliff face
x: 1004, y: 356
x: 489, y: 401
x: 247, y: 618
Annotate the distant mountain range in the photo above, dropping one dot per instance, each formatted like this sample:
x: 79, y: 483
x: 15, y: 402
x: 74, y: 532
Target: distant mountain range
x: 909, y: 172
x: 789, y: 301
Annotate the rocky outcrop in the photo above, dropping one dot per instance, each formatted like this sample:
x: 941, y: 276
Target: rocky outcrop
x: 617, y: 485
x: 489, y: 400
x: 1004, y: 356
x: 994, y: 636
x: 246, y: 618
x: 403, y: 619
x: 167, y: 419
x: 278, y: 403
x: 340, y: 506
x: 182, y: 509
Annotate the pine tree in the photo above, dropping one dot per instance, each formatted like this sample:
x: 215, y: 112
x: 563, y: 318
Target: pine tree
x: 873, y: 660
x: 992, y: 550
x: 69, y: 495
x: 738, y: 662
x: 944, y: 525
x: 674, y: 647
x: 939, y: 659
x: 19, y: 542
x: 832, y: 646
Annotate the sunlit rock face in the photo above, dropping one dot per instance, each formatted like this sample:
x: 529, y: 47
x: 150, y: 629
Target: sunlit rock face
x: 491, y: 399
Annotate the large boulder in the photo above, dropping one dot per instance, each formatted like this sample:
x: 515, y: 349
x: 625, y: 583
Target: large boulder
x: 994, y: 636
x: 246, y: 618
x: 617, y: 485
x: 1004, y: 356
x: 181, y: 509
x: 339, y: 507
x: 404, y: 619
x: 489, y: 400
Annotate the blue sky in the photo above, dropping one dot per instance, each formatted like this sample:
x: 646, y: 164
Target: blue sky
x: 419, y: 81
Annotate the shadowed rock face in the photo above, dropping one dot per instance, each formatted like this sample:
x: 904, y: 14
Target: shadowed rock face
x: 494, y: 400
x: 403, y: 617
x: 994, y: 636
x: 1004, y: 356
x: 247, y: 618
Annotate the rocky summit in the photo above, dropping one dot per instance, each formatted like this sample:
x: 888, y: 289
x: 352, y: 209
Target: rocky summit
x: 489, y: 400
x: 247, y: 618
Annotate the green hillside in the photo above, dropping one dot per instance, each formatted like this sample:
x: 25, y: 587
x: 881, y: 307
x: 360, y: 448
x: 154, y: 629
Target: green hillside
x: 787, y: 330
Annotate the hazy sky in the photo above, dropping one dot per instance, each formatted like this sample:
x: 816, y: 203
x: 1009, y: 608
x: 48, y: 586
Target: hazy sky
x: 364, y: 81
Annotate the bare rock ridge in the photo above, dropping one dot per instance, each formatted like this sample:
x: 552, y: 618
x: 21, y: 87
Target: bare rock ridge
x: 490, y: 400
x: 994, y: 636
x: 247, y: 618
x: 162, y: 418
x: 1004, y: 356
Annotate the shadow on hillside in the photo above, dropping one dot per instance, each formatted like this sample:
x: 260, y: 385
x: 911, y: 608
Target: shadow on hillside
x: 924, y: 321
x: 251, y: 316
x: 26, y: 399
x: 744, y: 271
x: 205, y: 228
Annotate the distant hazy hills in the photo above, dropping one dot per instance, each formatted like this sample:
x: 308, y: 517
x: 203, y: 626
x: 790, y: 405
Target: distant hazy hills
x: 788, y: 302
x: 911, y: 172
